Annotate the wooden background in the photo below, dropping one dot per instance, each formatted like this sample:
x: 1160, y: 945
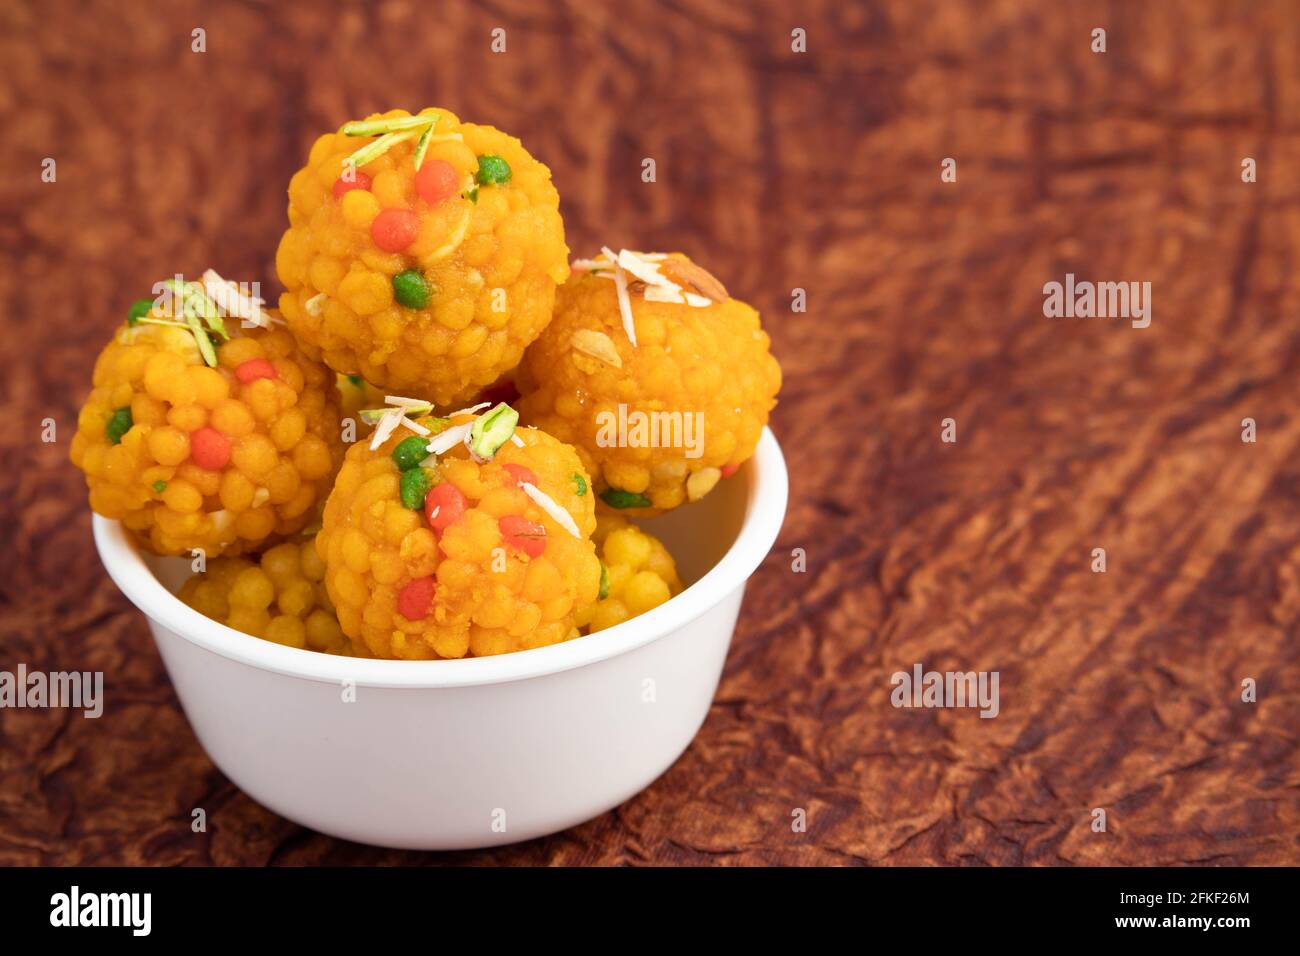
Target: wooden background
x: 778, y: 170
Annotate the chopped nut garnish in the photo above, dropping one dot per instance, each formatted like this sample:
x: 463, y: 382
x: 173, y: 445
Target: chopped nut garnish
x: 391, y: 132
x: 598, y: 345
x: 490, y: 431
x: 191, y: 304
x: 687, y: 273
x: 625, y: 304
x: 655, y: 293
x: 656, y: 277
x: 635, y: 264
x: 234, y: 300
x: 552, y: 508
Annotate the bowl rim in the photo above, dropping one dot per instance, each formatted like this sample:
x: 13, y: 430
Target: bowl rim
x: 768, y: 491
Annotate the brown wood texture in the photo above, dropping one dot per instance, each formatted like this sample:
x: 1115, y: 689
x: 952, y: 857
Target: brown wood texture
x: 779, y: 170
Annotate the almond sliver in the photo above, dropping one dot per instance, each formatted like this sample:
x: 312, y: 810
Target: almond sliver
x: 401, y: 401
x: 687, y: 273
x: 472, y: 410
x: 387, y: 425
x: 625, y: 304
x: 645, y: 271
x: 549, y: 505
x: 416, y: 427
x: 449, y: 438
x: 654, y: 293
x: 233, y: 300
x: 598, y: 345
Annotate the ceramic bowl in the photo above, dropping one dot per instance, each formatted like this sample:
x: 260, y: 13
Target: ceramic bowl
x: 477, y: 752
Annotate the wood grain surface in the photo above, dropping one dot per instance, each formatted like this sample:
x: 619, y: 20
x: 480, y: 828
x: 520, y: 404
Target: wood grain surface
x: 780, y: 170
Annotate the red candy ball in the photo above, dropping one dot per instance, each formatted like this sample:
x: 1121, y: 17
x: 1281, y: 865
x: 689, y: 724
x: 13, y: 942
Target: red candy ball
x: 415, y: 599
x: 523, y: 535
x: 341, y: 185
x: 436, y: 181
x: 209, y: 449
x: 443, y: 506
x: 394, y: 229
x: 254, y: 369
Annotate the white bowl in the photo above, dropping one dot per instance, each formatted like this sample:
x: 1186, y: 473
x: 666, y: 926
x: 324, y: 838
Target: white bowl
x: 469, y: 753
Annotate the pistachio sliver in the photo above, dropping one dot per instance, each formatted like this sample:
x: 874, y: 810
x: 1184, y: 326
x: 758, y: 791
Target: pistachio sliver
x: 207, y: 309
x: 167, y: 322
x: 177, y: 296
x: 190, y: 300
x: 201, y: 337
x: 372, y: 151
x: 394, y: 125
x: 422, y: 146
x: 183, y: 309
x: 618, y: 498
x: 490, y: 431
